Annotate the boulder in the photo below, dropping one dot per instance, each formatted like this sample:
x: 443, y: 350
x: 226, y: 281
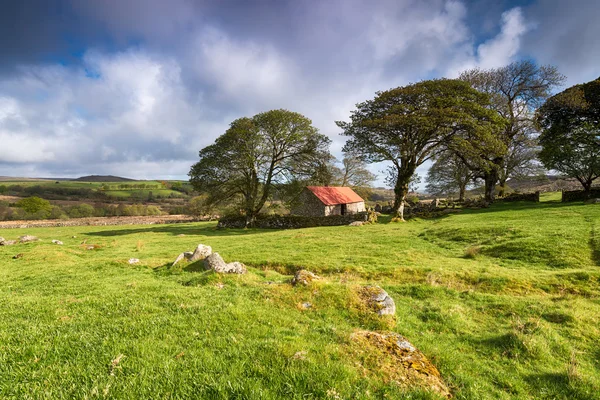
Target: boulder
x: 200, y: 253
x: 2, y: 239
x: 235, y: 267
x: 57, y: 242
x: 28, y: 239
x: 304, y: 277
x: 187, y: 255
x: 401, y: 359
x: 133, y: 261
x: 8, y: 242
x: 356, y: 223
x: 216, y: 263
x: 379, y: 300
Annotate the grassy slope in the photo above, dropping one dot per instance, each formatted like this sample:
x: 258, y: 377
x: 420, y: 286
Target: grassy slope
x: 521, y: 319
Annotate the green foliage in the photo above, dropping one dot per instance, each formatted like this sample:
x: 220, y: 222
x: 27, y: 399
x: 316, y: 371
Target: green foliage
x: 407, y: 125
x: 448, y: 176
x: 34, y: 205
x: 255, y: 154
x: 515, y: 90
x: 570, y: 139
x: 81, y: 211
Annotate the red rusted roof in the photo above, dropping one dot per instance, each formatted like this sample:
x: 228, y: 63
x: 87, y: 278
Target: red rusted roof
x: 331, y: 195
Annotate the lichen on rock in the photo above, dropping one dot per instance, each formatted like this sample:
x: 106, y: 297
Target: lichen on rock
x: 398, y: 360
x: 379, y: 300
x: 304, y: 277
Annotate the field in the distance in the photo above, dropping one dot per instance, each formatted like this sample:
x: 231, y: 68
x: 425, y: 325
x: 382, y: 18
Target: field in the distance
x: 505, y: 301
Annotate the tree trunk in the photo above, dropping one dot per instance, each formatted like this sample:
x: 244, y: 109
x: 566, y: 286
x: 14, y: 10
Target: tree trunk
x: 400, y: 192
x: 490, y: 178
x: 587, y: 187
x: 461, y: 192
x: 502, y: 190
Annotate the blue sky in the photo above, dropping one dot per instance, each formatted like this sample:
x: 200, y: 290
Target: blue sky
x: 137, y: 87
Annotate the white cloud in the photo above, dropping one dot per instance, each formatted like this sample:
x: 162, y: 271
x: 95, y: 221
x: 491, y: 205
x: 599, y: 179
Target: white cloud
x: 148, y: 110
x: 503, y: 48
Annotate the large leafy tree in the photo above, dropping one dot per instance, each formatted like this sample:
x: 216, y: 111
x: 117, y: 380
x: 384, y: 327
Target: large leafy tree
x: 570, y: 139
x: 255, y: 155
x: 408, y: 125
x: 515, y: 90
x: 449, y: 175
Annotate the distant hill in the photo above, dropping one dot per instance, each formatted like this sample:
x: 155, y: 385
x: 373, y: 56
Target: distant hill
x: 544, y: 183
x: 103, y: 178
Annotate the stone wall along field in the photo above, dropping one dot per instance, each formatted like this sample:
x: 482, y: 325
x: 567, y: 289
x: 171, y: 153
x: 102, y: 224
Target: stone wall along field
x: 535, y: 197
x: 580, y: 195
x: 295, y: 221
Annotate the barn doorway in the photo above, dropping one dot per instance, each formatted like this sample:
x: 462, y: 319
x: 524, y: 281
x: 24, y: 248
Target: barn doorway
x: 344, y: 209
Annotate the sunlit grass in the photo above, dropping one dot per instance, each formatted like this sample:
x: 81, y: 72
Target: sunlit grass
x: 520, y: 318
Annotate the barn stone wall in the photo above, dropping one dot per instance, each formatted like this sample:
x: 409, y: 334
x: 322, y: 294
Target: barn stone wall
x: 351, y: 208
x: 308, y: 205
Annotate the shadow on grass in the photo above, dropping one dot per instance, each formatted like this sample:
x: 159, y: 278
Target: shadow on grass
x: 181, y: 229
x: 595, y: 245
x: 559, y: 386
x: 522, y: 205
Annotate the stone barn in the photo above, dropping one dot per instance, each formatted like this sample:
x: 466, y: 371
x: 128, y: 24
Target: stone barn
x: 321, y: 201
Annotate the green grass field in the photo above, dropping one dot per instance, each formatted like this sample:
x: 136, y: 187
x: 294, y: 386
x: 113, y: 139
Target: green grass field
x: 505, y: 301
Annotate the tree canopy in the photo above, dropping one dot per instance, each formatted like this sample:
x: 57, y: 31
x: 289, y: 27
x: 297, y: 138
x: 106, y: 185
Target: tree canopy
x: 256, y: 154
x: 448, y: 176
x: 515, y: 91
x: 570, y: 139
x: 408, y: 125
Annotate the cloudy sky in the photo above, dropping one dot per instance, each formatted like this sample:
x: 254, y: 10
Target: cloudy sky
x: 137, y: 87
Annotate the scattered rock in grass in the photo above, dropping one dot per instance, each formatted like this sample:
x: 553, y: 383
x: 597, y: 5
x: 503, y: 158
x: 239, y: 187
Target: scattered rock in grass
x: 305, y: 305
x: 300, y: 355
x: 201, y: 252
x: 20, y: 255
x: 357, y: 223
x: 219, y: 285
x: 74, y: 237
x: 400, y: 360
x: 28, y: 239
x: 379, y: 300
x: 304, y: 277
x: 4, y: 242
x: 91, y: 246
x: 133, y: 261
x: 58, y: 242
x: 216, y: 263
x: 187, y: 255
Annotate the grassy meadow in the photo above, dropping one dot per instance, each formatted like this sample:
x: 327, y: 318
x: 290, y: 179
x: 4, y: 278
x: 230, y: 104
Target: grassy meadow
x: 505, y: 301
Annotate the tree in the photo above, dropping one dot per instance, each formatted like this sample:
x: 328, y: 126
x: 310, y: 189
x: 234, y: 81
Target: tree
x: 354, y: 172
x: 520, y: 160
x: 408, y: 125
x: 449, y: 175
x: 515, y: 90
x: 254, y: 155
x: 34, y: 204
x: 570, y: 139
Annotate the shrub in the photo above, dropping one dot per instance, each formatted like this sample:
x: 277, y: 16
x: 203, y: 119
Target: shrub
x: 34, y: 205
x: 81, y: 211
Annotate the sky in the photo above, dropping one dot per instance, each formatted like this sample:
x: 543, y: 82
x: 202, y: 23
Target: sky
x: 136, y: 88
